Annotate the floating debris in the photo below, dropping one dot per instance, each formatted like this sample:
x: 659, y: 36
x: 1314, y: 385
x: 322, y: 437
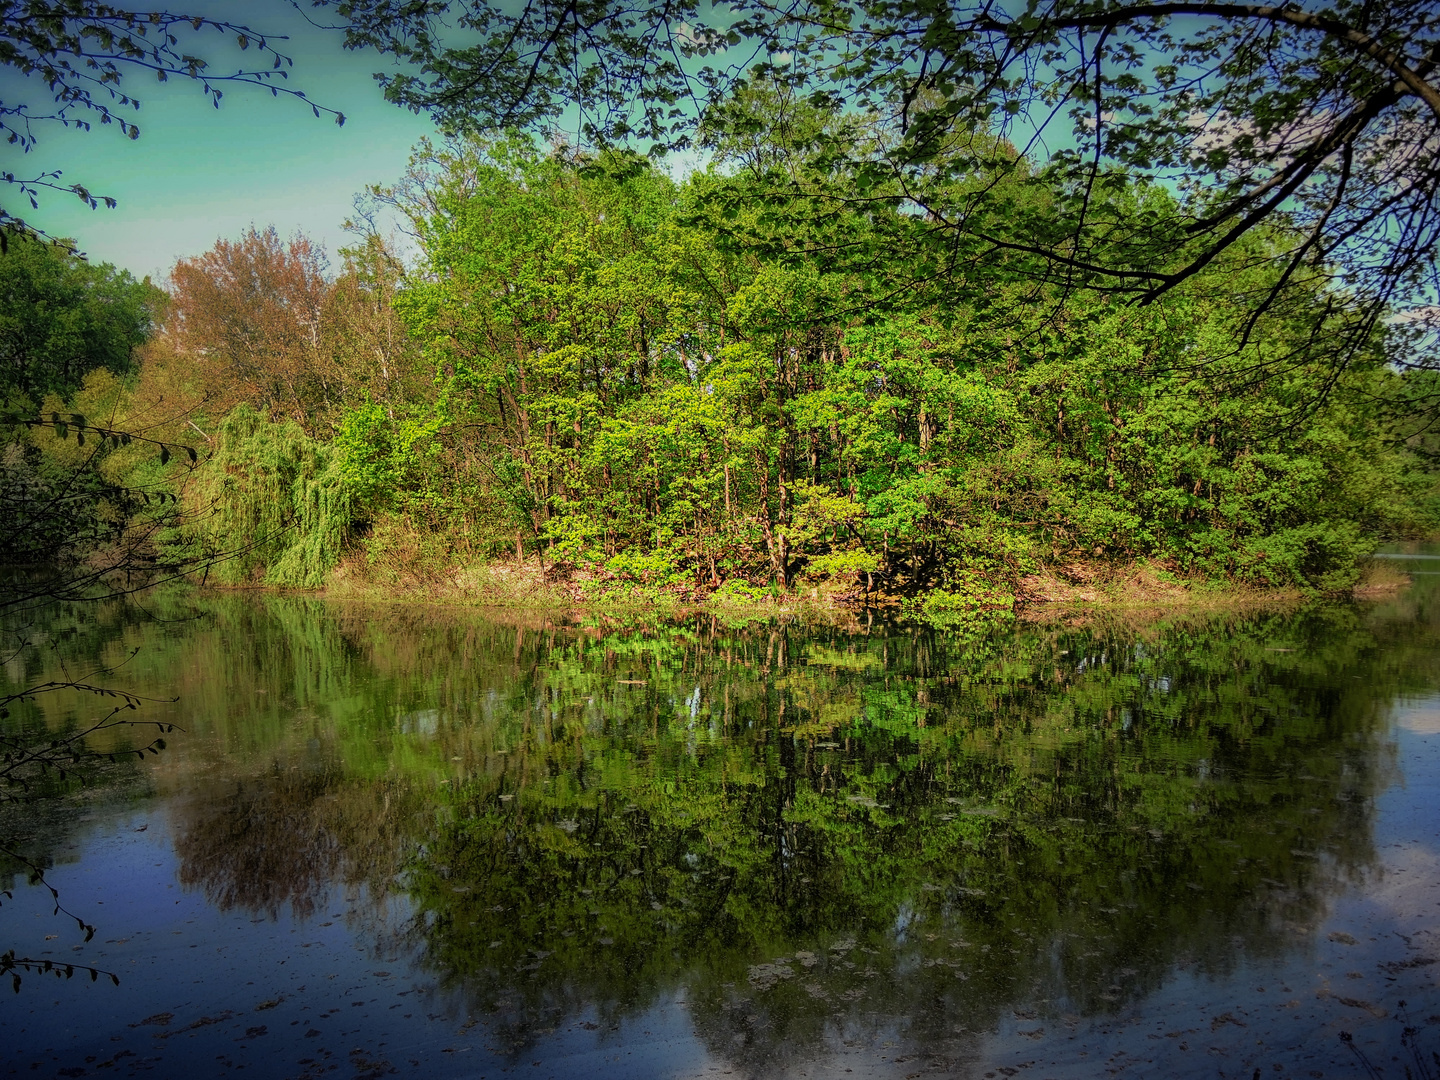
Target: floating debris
x: 764, y: 976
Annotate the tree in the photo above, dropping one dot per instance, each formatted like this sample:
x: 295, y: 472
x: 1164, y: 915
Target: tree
x: 623, y: 386
x: 1317, y: 124
x: 61, y: 318
x: 68, y: 328
x: 262, y: 320
x: 86, y: 53
x: 249, y: 314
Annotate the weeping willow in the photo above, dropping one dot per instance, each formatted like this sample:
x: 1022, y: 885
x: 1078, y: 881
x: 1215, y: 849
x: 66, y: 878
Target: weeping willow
x: 275, y: 497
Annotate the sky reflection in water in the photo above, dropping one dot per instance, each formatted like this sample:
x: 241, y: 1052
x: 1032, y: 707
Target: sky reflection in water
x: 445, y: 844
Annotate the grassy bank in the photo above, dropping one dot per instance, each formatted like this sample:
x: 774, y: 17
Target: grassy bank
x: 514, y: 585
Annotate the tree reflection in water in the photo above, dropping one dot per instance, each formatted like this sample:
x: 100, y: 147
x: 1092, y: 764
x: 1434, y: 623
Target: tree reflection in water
x: 798, y: 831
x: 291, y: 837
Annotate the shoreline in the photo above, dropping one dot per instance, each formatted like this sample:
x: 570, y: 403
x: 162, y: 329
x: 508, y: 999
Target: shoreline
x: 1083, y: 592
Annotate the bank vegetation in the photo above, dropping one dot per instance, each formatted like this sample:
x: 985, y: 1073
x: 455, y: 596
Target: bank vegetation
x: 571, y: 378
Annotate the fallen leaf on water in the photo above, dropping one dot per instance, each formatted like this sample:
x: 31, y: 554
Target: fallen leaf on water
x: 1356, y: 1003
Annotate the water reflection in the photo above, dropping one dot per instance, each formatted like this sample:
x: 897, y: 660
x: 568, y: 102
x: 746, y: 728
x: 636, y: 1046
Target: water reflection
x: 800, y: 832
x: 293, y: 837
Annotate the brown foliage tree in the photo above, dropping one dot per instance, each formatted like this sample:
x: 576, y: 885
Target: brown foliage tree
x: 259, y: 320
x: 248, y: 314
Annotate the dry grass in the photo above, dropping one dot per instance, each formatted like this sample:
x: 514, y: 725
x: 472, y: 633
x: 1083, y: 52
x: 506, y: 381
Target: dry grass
x: 1139, y: 584
x: 1381, y: 578
x: 502, y: 584
x: 1065, y: 592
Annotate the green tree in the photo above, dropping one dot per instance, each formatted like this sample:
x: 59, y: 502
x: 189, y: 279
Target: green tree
x: 683, y: 384
x: 1316, y: 121
x: 62, y: 317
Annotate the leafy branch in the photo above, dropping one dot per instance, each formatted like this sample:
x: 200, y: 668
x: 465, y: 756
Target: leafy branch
x: 83, y: 51
x: 12, y: 965
x: 64, y: 424
x: 24, y: 760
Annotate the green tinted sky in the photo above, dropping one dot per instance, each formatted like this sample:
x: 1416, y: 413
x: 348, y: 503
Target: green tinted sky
x: 197, y: 173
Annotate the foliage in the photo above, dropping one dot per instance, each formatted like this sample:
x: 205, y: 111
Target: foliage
x: 622, y: 387
x: 1316, y: 121
x: 620, y: 382
x: 279, y: 509
x: 62, y: 317
x: 263, y: 321
x: 85, y: 493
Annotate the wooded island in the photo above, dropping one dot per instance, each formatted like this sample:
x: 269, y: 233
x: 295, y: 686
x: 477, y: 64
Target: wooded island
x: 699, y: 387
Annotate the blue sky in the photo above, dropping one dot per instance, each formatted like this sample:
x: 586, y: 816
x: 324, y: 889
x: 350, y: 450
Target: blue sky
x: 197, y: 173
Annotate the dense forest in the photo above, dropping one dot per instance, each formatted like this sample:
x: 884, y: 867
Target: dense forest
x: 642, y: 384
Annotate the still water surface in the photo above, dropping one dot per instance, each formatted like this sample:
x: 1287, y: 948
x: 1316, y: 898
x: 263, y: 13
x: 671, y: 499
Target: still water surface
x: 416, y: 842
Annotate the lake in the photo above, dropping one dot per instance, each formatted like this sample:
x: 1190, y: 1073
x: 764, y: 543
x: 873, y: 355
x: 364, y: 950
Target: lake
x: 394, y: 840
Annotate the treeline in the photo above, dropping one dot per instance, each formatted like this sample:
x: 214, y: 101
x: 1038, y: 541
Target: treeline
x: 717, y: 384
